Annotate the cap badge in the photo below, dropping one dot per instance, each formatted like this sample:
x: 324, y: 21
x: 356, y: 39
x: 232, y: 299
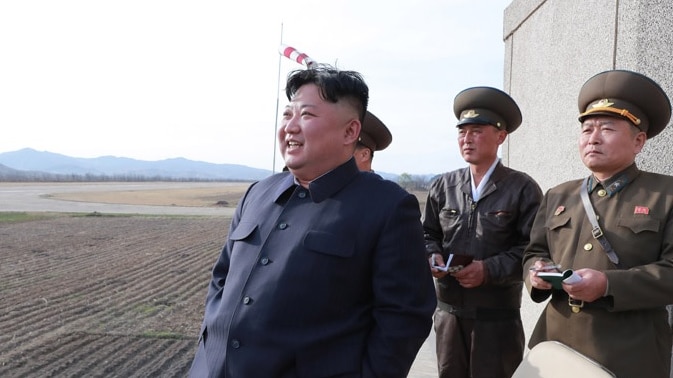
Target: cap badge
x: 470, y: 114
x: 604, y: 103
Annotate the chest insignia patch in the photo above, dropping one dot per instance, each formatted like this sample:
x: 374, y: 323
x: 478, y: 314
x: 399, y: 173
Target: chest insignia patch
x: 641, y: 210
x: 559, y: 210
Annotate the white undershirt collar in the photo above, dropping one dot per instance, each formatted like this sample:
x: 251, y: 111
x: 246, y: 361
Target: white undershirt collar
x: 476, y: 191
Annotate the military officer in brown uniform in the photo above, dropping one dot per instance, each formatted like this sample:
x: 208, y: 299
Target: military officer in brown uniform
x: 484, y: 211
x: 616, y: 314
x: 374, y: 136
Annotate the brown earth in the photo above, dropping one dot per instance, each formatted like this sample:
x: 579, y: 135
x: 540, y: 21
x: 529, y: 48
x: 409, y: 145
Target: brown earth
x: 104, y: 296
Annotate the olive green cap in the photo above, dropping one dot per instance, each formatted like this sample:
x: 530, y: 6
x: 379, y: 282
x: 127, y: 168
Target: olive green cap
x: 374, y: 134
x: 628, y: 95
x: 487, y: 106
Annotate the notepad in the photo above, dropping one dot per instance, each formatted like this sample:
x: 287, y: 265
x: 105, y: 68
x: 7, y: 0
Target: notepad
x: 556, y: 278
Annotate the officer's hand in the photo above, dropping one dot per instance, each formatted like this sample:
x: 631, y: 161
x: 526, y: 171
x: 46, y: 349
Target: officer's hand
x: 472, y: 275
x: 593, y: 285
x: 436, y: 259
x: 536, y: 281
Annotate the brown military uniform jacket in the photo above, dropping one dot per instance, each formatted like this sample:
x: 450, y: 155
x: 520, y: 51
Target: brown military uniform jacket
x: 495, y: 229
x: 627, y: 331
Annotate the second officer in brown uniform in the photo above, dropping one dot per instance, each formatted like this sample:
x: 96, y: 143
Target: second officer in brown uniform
x: 485, y: 212
x: 616, y: 314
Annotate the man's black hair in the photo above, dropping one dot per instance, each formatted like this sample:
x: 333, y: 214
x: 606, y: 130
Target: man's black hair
x: 334, y: 85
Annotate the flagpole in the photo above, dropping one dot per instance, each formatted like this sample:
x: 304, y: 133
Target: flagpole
x: 275, y: 129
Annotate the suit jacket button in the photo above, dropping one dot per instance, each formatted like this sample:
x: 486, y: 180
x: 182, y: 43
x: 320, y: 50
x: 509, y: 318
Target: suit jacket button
x: 235, y: 344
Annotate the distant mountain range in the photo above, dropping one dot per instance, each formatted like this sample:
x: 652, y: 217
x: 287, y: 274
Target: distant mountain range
x: 31, y: 164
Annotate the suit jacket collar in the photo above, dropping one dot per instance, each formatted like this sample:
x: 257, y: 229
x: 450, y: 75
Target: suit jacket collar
x: 324, y: 186
x: 331, y: 182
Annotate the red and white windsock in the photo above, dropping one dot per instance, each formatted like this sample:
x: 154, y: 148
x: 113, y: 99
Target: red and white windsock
x: 294, y: 54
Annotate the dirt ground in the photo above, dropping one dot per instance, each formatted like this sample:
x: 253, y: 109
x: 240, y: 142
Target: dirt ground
x: 107, y: 296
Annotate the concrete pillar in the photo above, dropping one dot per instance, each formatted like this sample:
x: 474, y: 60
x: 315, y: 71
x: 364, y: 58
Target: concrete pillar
x: 551, y: 48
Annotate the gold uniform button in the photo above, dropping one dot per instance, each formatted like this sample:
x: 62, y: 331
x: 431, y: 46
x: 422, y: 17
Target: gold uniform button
x: 602, y: 193
x: 588, y: 247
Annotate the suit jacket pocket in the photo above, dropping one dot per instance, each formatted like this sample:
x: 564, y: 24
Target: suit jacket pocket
x: 329, y: 244
x: 243, y: 230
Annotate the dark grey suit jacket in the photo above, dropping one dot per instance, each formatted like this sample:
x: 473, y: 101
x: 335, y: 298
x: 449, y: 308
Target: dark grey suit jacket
x: 329, y: 281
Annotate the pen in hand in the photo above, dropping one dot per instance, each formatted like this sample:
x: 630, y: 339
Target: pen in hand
x: 545, y: 268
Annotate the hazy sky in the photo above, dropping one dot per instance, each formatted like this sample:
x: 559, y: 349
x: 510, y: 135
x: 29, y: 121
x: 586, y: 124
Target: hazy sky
x: 157, y: 79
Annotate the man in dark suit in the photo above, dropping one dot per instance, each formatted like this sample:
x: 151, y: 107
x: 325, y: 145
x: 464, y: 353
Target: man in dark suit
x: 324, y: 272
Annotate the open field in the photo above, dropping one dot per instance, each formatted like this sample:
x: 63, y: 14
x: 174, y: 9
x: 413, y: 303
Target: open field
x: 107, y: 295
x: 104, y: 296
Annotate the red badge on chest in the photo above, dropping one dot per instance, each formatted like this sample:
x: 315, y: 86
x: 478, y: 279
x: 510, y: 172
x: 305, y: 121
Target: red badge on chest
x: 641, y: 210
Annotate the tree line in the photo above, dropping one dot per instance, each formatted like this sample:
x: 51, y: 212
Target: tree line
x: 415, y: 182
x: 88, y: 177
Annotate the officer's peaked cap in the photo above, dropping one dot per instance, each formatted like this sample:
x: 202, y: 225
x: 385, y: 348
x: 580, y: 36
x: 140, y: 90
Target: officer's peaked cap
x: 487, y: 106
x: 627, y: 95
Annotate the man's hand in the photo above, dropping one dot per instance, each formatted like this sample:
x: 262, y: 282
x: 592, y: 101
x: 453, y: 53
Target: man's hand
x: 472, y: 275
x: 541, y: 266
x: 436, y: 259
x: 593, y: 285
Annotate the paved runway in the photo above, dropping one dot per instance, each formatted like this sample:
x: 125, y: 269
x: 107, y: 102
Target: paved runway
x: 35, y: 198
